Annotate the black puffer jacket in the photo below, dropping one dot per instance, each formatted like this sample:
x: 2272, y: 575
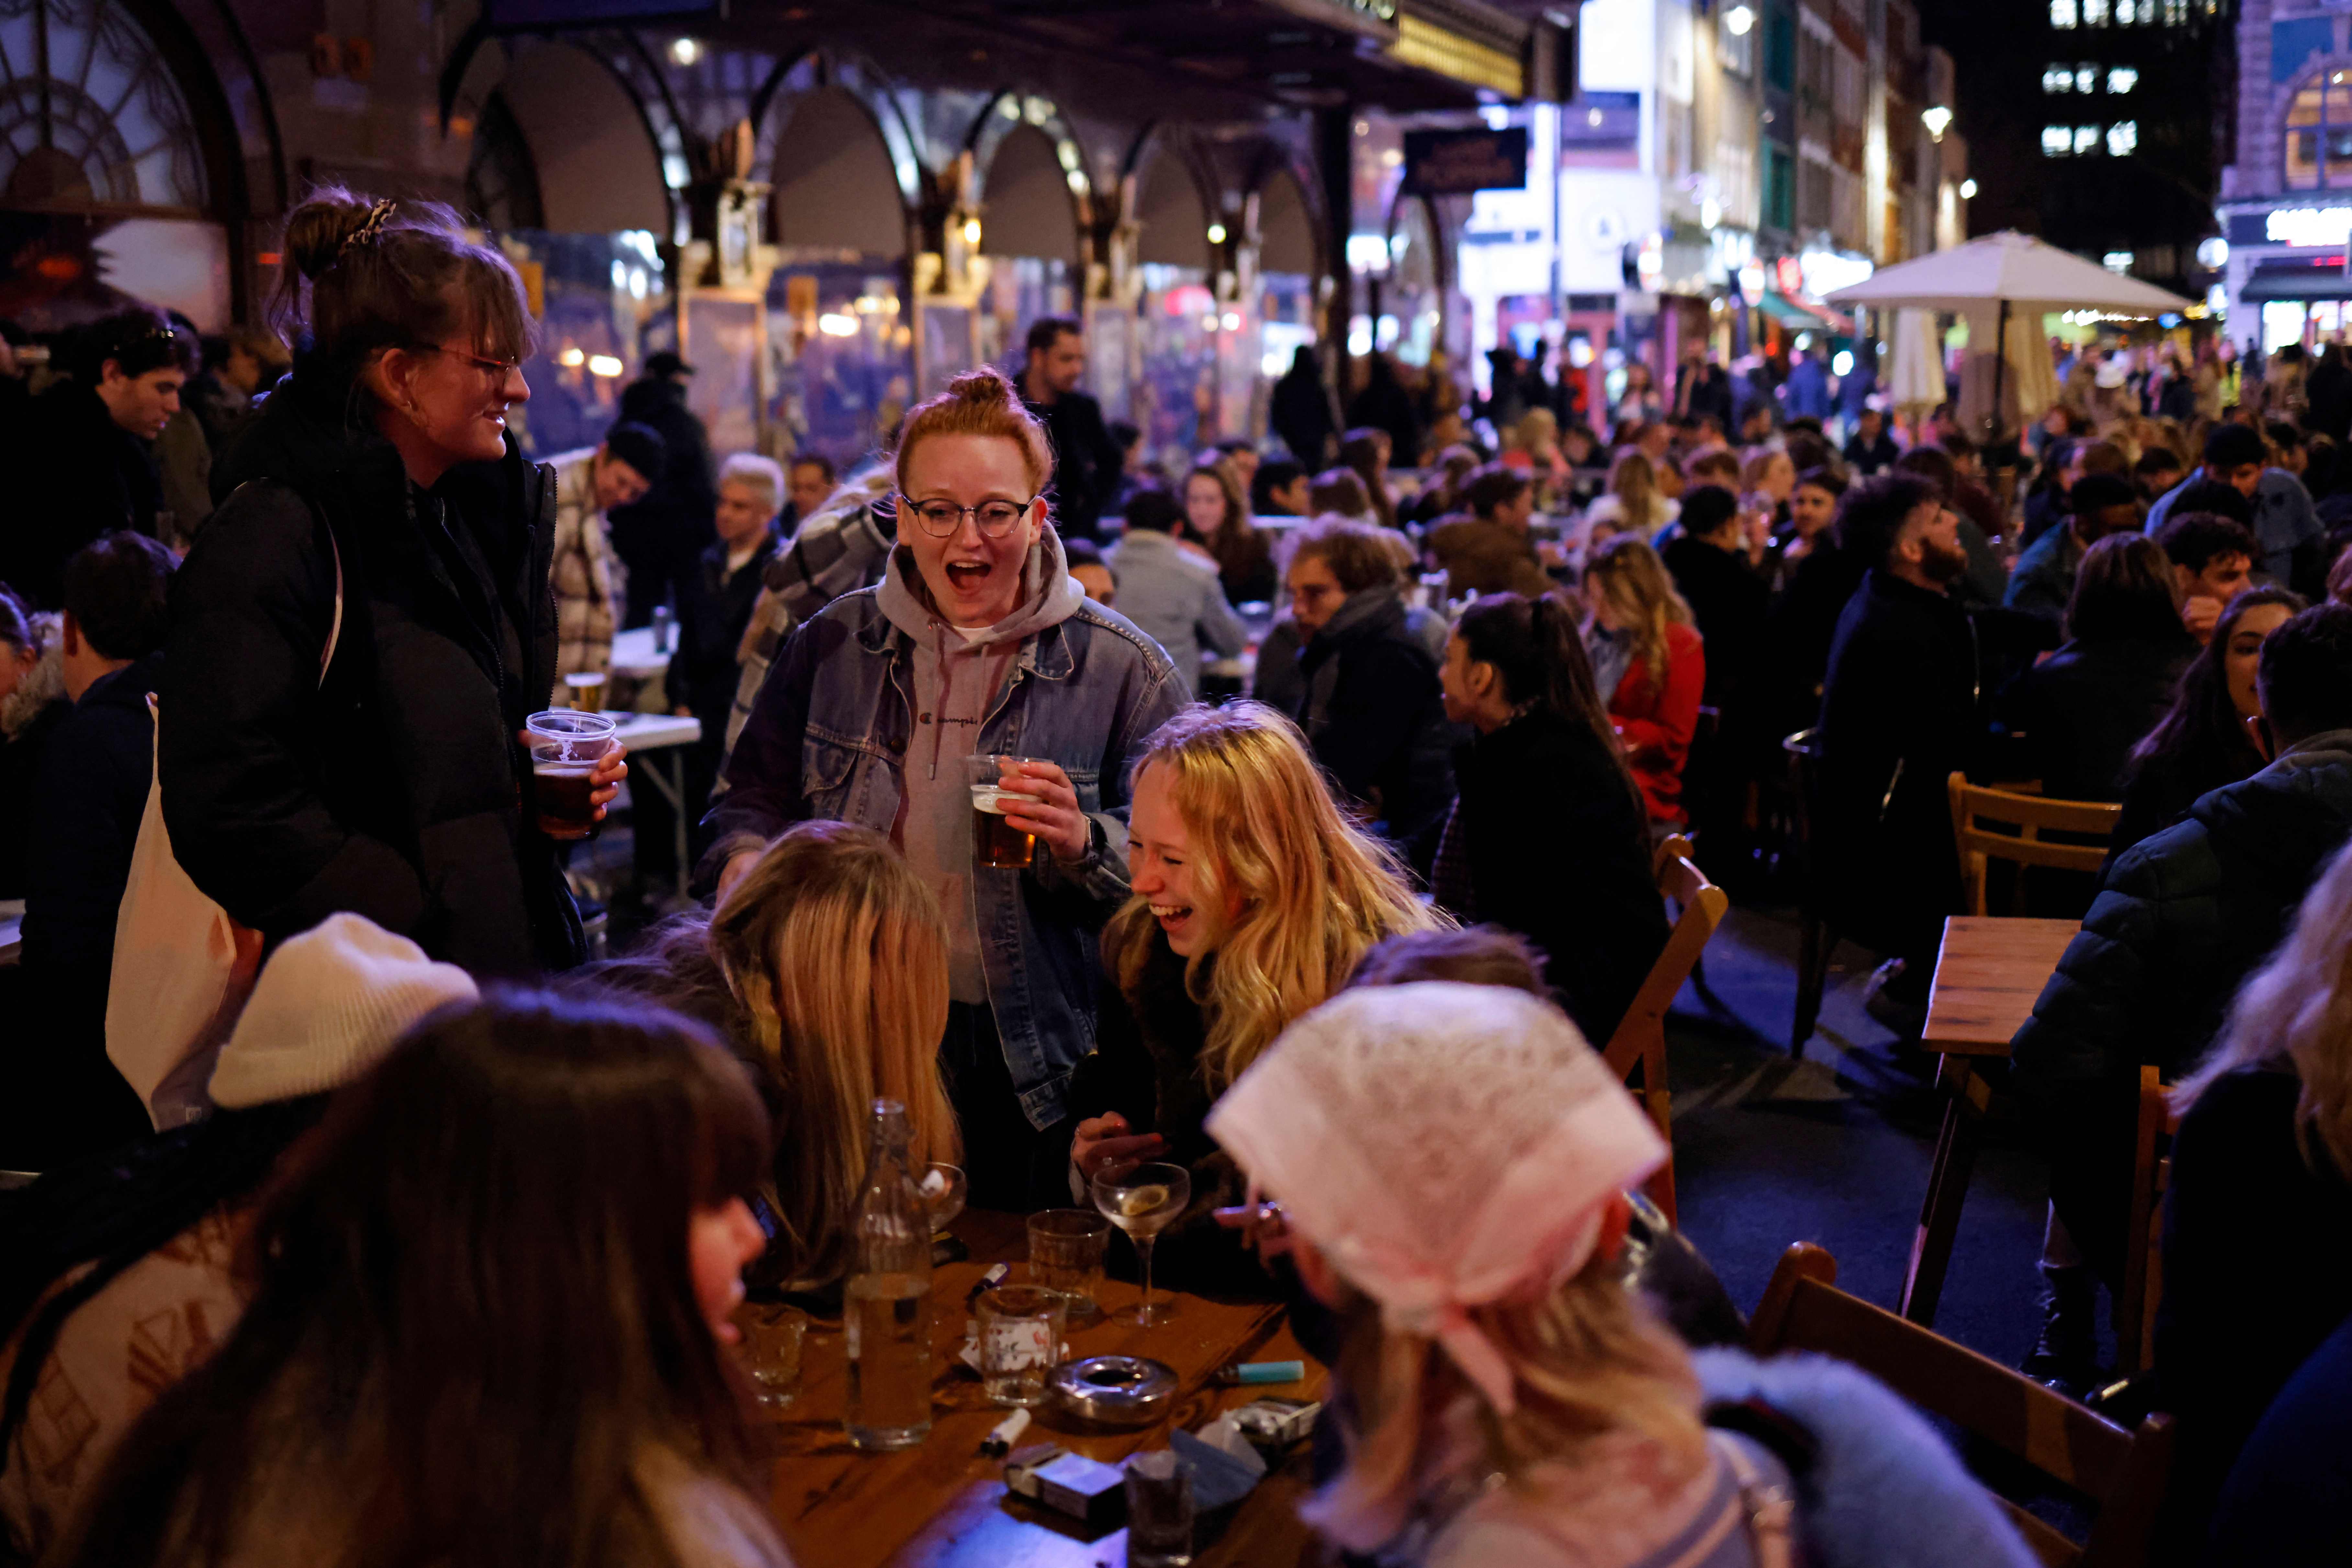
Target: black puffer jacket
x: 394, y: 787
x: 2180, y: 921
x: 1374, y: 716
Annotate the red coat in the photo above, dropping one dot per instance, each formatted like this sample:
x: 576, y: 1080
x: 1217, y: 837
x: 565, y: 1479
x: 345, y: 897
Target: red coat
x: 1657, y: 723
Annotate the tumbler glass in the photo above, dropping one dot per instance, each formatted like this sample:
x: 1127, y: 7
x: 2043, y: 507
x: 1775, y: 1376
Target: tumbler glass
x: 1066, y: 1254
x: 772, y: 1334
x: 1159, y: 1512
x: 1019, y: 1341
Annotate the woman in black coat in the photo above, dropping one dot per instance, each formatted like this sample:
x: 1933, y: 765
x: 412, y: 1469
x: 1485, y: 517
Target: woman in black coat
x: 2081, y: 709
x: 2201, y: 743
x: 1548, y: 836
x: 364, y: 625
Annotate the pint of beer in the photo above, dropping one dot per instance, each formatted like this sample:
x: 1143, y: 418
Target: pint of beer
x: 586, y: 689
x: 997, y: 844
x: 564, y: 749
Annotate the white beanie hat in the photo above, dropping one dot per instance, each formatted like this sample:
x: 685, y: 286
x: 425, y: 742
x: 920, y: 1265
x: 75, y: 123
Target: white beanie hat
x: 327, y: 1006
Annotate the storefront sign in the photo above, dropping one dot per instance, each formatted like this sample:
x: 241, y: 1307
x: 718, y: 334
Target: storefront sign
x: 2308, y: 225
x: 1462, y: 162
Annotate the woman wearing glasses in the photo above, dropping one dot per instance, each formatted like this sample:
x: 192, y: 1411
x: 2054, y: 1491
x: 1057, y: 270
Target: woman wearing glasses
x: 364, y: 625
x: 977, y: 644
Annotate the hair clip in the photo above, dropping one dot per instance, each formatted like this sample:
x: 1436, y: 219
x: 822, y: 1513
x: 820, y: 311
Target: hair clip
x: 368, y: 231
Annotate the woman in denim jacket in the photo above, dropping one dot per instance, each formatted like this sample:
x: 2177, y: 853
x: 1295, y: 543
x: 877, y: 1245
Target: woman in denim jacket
x: 976, y: 643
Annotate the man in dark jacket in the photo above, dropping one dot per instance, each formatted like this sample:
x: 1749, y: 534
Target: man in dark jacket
x: 392, y: 781
x: 2042, y: 581
x: 2328, y: 389
x: 1899, y: 718
x: 660, y: 538
x: 1087, y: 462
x: 1371, y: 704
x: 88, y: 799
x: 1704, y: 389
x: 2181, y: 918
x: 713, y: 614
x: 1301, y: 412
x: 1870, y: 448
x: 83, y: 457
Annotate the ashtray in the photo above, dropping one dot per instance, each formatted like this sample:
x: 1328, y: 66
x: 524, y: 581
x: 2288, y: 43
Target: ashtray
x: 1113, y: 1390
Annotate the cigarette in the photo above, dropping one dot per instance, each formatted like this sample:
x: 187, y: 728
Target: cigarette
x: 1003, y: 1435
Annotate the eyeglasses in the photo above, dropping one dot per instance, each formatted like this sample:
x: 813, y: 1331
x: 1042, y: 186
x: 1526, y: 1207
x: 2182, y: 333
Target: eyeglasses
x: 942, y: 518
x: 499, y: 368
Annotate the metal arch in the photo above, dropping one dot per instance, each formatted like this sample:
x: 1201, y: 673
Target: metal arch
x: 1273, y: 156
x: 657, y: 110
x: 990, y: 129
x: 264, y: 105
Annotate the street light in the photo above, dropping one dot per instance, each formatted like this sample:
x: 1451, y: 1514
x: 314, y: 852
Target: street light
x: 1968, y: 190
x: 685, y: 51
x: 1739, y: 19
x: 1938, y: 120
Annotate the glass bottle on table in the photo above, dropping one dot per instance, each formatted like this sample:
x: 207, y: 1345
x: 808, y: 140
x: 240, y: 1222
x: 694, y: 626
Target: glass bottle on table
x: 887, y: 1302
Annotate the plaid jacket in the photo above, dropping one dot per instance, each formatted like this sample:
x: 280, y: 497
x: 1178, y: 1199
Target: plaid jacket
x: 841, y: 547
x: 583, y: 570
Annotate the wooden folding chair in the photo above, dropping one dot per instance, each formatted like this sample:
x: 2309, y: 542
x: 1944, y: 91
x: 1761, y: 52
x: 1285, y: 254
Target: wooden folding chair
x: 2143, y: 1237
x: 2031, y: 815
x: 2122, y: 1472
x: 1641, y: 1037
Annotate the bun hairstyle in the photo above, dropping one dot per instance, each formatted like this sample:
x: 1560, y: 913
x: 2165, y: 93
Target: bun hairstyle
x: 361, y: 276
x: 978, y: 402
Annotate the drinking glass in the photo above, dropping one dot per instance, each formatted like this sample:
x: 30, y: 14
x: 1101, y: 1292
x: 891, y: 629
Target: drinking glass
x: 1066, y: 1254
x: 1019, y: 1341
x: 1159, y: 1512
x: 586, y: 689
x: 996, y: 843
x: 564, y: 747
x: 1144, y: 1200
x: 770, y: 1350
x: 942, y: 1189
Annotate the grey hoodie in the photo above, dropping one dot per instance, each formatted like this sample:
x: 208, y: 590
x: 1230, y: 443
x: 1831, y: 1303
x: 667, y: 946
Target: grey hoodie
x: 959, y: 677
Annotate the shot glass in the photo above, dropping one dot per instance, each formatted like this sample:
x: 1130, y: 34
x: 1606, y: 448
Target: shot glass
x: 1159, y: 1512
x: 564, y: 748
x: 772, y: 1334
x: 1019, y: 1341
x: 1066, y: 1254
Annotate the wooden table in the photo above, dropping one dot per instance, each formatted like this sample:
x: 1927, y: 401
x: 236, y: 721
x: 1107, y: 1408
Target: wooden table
x: 940, y: 1505
x: 1988, y: 974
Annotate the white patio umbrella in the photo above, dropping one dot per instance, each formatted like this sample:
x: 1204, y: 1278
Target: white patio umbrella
x: 2006, y: 273
x: 1916, y: 376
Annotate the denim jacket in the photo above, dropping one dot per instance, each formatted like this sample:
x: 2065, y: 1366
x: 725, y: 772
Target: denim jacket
x: 828, y: 737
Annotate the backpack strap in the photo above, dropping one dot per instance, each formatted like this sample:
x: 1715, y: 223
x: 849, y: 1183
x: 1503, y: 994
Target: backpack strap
x: 1771, y: 1512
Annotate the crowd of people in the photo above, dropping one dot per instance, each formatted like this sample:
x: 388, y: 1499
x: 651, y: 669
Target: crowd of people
x: 446, y: 1218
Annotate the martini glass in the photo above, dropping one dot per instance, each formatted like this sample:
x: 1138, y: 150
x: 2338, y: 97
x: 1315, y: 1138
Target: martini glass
x: 1144, y: 1200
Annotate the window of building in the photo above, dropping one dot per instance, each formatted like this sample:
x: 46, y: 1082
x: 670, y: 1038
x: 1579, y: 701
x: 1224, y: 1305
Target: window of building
x: 2117, y: 261
x: 2176, y: 13
x: 2094, y: 13
x: 2058, y: 78
x: 2056, y: 141
x: 2122, y: 79
x: 91, y: 113
x: 2087, y: 139
x: 1780, y: 48
x: 2062, y: 13
x: 1779, y: 189
x: 2319, y: 133
x: 2123, y: 138
x: 2086, y: 78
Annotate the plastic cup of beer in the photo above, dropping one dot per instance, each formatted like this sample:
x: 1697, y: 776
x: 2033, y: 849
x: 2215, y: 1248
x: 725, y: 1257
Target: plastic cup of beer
x: 1001, y: 846
x: 586, y: 689
x: 564, y: 747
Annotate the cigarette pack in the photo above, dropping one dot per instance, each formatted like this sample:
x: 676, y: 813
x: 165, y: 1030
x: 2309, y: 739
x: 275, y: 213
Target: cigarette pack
x: 1069, y: 1484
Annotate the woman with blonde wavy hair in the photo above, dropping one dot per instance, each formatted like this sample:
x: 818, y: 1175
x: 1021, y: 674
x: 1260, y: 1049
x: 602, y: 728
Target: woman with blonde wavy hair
x: 825, y: 967
x: 1452, y: 1162
x: 2257, y: 1272
x: 1254, y: 897
x: 1647, y: 656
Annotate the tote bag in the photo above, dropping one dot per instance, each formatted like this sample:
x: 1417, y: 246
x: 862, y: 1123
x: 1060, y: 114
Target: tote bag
x: 182, y: 967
